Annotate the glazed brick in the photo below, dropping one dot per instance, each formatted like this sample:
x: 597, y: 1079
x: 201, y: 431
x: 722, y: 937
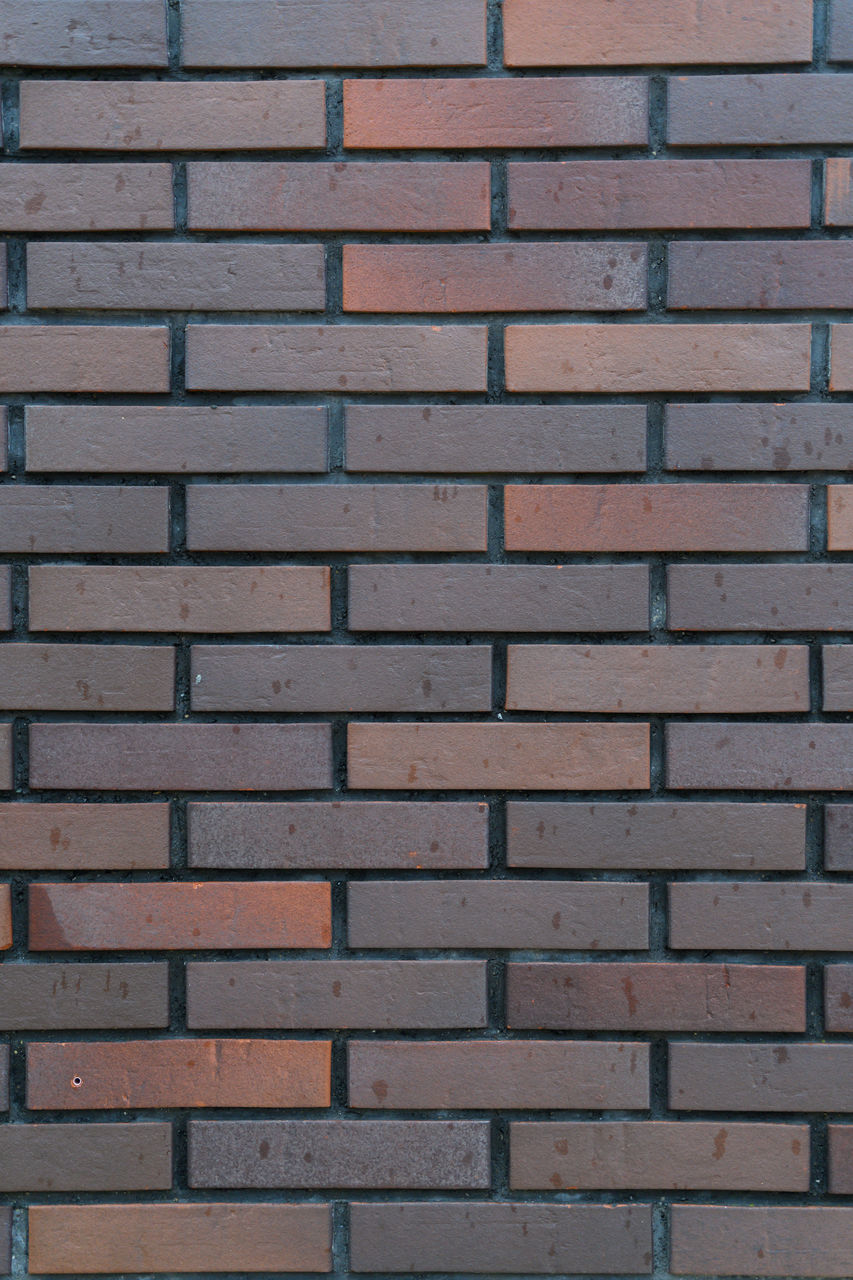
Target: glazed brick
x: 758, y: 437
x: 83, y: 997
x: 841, y: 31
x: 177, y: 1073
x: 366, y: 517
x: 491, y: 757
x: 85, y: 1157
x: 180, y: 757
x: 638, y: 837
x: 183, y: 598
x: 658, y: 357
x: 760, y: 1077
x: 837, y: 678
x: 386, y: 357
x: 478, y: 438
x: 596, y: 33
x: 421, y: 1155
x: 744, y: 916
x: 777, y: 275
x: 541, y: 1239
x: 370, y: 33
x: 96, y: 1238
x: 841, y: 366
x: 838, y: 838
x: 794, y: 1240
x: 113, y: 33
x: 68, y: 519
x: 690, y: 1155
x: 838, y: 997
x: 398, y: 995
x: 5, y: 757
x: 501, y: 915
x: 759, y: 110
x: 84, y: 837
x: 87, y: 677
x: 517, y: 597
x: 838, y: 183
x: 358, y: 834
x: 77, y: 196
x: 656, y: 997
x: 841, y: 1158
x: 6, y: 930
x: 200, y: 916
x: 118, y: 276
x: 656, y: 517
x: 537, y: 112
x: 658, y: 678
x: 84, y: 357
x: 760, y: 597
x: 623, y: 195
x: 181, y: 115
x: 505, y: 1075
x: 775, y: 757
x: 839, y: 518
x: 494, y: 277
x: 352, y: 195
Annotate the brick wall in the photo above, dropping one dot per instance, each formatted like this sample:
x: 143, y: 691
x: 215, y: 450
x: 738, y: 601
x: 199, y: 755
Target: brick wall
x: 426, y: 701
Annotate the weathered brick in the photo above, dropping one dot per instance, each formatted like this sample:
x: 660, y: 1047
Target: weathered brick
x: 76, y: 196
x: 841, y: 1158
x: 760, y: 597
x: 5, y: 598
x: 5, y: 757
x: 839, y: 518
x: 35, y: 519
x: 103, y: 33
x: 6, y: 1238
x: 841, y: 31
x: 837, y: 678
x: 758, y: 437
x: 87, y: 677
x: 838, y: 184
x: 85, y: 1157
x: 776, y: 275
x: 772, y: 1240
x: 759, y: 110
x: 4, y: 1106
x: 83, y: 997
x: 6, y: 928
x: 838, y: 997
x: 84, y: 357
x: 745, y: 916
x: 760, y: 1077
x: 775, y: 757
x: 838, y: 837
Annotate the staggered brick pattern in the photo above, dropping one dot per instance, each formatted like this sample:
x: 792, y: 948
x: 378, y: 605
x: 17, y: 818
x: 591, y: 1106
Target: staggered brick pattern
x: 426, y: 579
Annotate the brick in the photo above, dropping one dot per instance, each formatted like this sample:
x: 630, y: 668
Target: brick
x: 291, y: 357
x: 760, y: 597
x: 838, y: 997
x: 837, y: 678
x: 6, y: 757
x: 334, y: 517
x: 182, y: 598
x: 35, y: 519
x: 759, y: 110
x: 199, y: 916
x: 5, y: 598
x: 4, y: 304
x: 328, y: 677
x: 6, y: 931
x: 397, y: 995
x: 838, y: 184
x: 354, y: 835
x: 177, y: 1073
x: 573, y: 195
x: 658, y: 678
x: 371, y: 33
x: 760, y: 1077
x: 839, y: 518
x: 774, y: 757
x: 777, y: 275
x: 658, y: 357
x: 4, y: 1106
x: 112, y: 33
x: 758, y: 437
x: 180, y: 757
x: 494, y: 438
x: 420, y: 757
x: 178, y: 115
x: 76, y: 196
x: 656, y: 517
x: 838, y: 837
x: 119, y: 276
x: 841, y: 1158
x: 596, y: 111
x: 389, y: 1154
x: 4, y: 425
x: 179, y: 1237
x: 745, y: 916
x: 841, y: 31
x: 841, y: 366
x: 690, y: 1155
x: 494, y: 277
x: 352, y: 195
x: 516, y: 597
x: 83, y: 997
x: 656, y: 997
x: 85, y: 1157
x: 6, y: 1238
x: 87, y: 677
x: 724, y: 1239
x: 84, y: 357
x: 545, y: 1239
x: 507, y: 1075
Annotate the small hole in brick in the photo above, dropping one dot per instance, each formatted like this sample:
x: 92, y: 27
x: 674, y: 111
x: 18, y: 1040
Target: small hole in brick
x: 76, y: 1082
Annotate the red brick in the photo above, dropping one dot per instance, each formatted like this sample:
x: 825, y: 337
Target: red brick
x: 838, y: 183
x: 35, y: 519
x: 841, y: 1158
x: 760, y: 1077
x: 106, y: 33
x: 87, y: 677
x: 841, y: 367
x: 84, y: 357
x: 745, y: 916
x: 775, y: 275
x: 83, y: 997
x: 760, y: 597
x: 86, y: 197
x: 84, y: 837
x: 794, y: 1240
x: 85, y: 1157
x: 759, y: 437
x: 838, y: 997
x: 774, y: 757
x: 6, y: 932
x: 839, y: 517
x: 759, y: 110
x: 841, y: 31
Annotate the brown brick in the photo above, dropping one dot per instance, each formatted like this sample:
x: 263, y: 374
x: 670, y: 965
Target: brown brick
x: 690, y: 1155
x: 793, y: 1240
x: 760, y: 1077
x: 300, y: 357
x: 84, y: 357
x: 838, y: 837
x: 837, y: 678
x: 382, y: 677
x: 6, y: 937
x: 5, y: 598
x: 334, y: 517
x: 656, y: 997
x: 841, y: 31
x: 494, y: 277
x: 513, y: 597
x: 760, y: 597
x: 759, y: 437
x: 153, y: 917
x: 181, y: 115
x: 84, y: 518
x: 177, y: 1073
x: 4, y: 304
x: 838, y: 182
x: 434, y: 756
x: 759, y: 110
x: 180, y: 757
x: 86, y: 197
x: 356, y: 834
x: 573, y: 195
x: 85, y: 1157
x: 6, y: 1238
x: 119, y: 276
x: 510, y: 1074
x: 656, y: 517
x: 838, y: 997
x: 83, y: 997
x: 5, y: 757
x: 841, y: 367
x: 131, y: 33
x: 184, y: 598
x: 179, y: 1238
x: 776, y: 275
x: 745, y: 916
x: 352, y: 195
x: 494, y: 437
x: 87, y: 677
x: 841, y: 1158
x: 839, y: 518
x: 391, y: 1154
x: 397, y: 995
x: 4, y: 1106
x: 775, y: 757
